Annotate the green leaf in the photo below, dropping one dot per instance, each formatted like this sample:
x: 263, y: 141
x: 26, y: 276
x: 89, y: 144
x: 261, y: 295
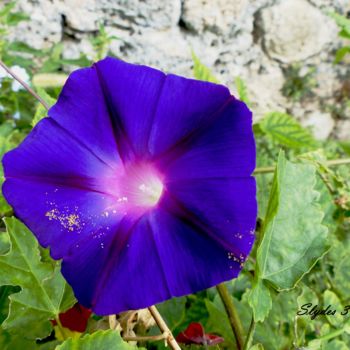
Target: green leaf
x: 294, y: 238
x: 242, y: 91
x: 342, y: 274
x: 202, y: 72
x: 342, y: 21
x: 7, y: 9
x: 19, y: 46
x: 260, y: 301
x: 14, y: 342
x: 257, y: 347
x: 336, y: 345
x: 41, y: 111
x: 173, y: 311
x: 101, y: 340
x: 44, y: 292
x: 5, y: 292
x: 286, y: 131
x: 9, y: 138
x: 14, y: 18
x: 340, y: 54
x: 330, y: 298
x: 218, y: 322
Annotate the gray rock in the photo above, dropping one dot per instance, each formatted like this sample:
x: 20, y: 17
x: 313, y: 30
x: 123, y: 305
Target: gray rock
x: 217, y: 16
x: 151, y: 13
x: 252, y: 39
x: 44, y: 28
x: 320, y: 123
x: 342, y: 131
x: 294, y: 30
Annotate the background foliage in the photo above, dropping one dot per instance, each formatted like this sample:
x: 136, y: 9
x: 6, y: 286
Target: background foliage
x: 300, y: 255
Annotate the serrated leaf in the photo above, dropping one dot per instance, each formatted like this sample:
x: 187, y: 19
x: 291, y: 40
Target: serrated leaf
x: 341, y: 53
x: 173, y: 311
x: 342, y: 21
x: 202, y: 72
x: 218, y: 322
x: 342, y: 274
x: 41, y: 111
x: 286, y: 131
x: 260, y: 301
x: 7, y: 9
x: 44, y: 292
x: 101, y: 340
x: 330, y: 298
x: 14, y: 342
x: 9, y: 138
x: 336, y: 345
x: 5, y: 292
x: 294, y: 238
x: 242, y: 91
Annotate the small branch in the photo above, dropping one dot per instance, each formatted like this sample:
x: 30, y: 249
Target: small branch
x: 25, y: 85
x: 164, y: 328
x: 163, y: 336
x: 250, y: 335
x: 232, y: 314
x: 271, y: 169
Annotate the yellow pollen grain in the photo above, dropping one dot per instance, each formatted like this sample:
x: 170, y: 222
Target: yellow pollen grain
x: 69, y: 222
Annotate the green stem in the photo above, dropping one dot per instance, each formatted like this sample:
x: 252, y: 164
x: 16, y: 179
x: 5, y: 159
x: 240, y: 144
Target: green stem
x: 232, y: 314
x: 332, y: 334
x: 62, y: 332
x: 271, y: 169
x: 250, y: 335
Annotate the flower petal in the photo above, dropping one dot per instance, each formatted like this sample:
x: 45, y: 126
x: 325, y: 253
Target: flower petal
x: 81, y: 110
x: 225, y: 148
x: 50, y: 154
x: 191, y: 260
x: 61, y: 216
x: 171, y: 106
x: 125, y: 275
x: 132, y: 93
x: 157, y: 249
x: 225, y: 209
x: 185, y: 106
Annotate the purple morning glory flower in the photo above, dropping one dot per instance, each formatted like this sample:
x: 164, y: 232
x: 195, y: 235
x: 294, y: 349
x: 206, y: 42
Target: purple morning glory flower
x: 141, y: 182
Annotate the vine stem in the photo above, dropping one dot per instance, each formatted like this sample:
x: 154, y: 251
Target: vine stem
x: 163, y: 336
x: 250, y: 335
x: 60, y: 329
x: 164, y: 328
x: 24, y: 84
x: 271, y: 169
x: 232, y: 314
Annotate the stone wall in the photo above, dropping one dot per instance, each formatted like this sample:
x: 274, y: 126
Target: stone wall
x: 254, y: 39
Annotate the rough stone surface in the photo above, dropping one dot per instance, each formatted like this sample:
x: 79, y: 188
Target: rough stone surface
x: 253, y: 39
x: 321, y: 124
x: 217, y: 16
x: 342, y: 131
x: 295, y: 30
